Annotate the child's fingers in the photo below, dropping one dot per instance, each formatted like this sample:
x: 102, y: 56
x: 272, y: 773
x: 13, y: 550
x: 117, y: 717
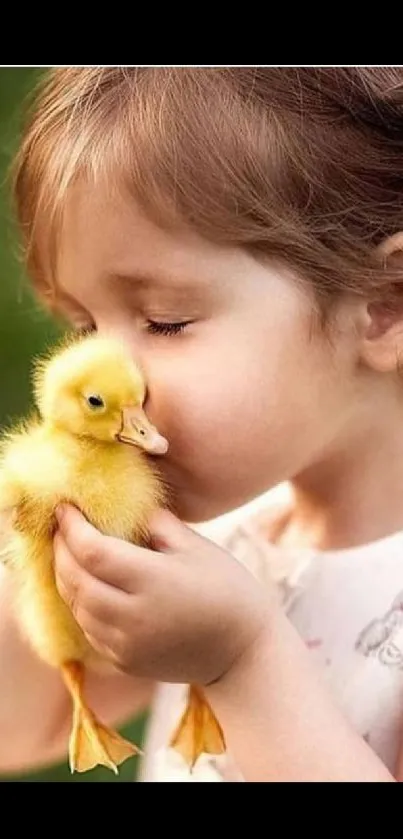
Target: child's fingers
x: 111, y: 560
x: 86, y: 595
x: 107, y: 640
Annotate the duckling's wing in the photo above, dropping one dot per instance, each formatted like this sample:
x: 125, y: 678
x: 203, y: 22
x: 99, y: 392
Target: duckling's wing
x: 15, y: 445
x: 11, y: 496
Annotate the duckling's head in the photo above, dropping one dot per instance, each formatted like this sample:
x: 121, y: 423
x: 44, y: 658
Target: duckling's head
x: 92, y: 388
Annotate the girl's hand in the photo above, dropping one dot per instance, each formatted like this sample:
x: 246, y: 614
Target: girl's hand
x: 183, y: 611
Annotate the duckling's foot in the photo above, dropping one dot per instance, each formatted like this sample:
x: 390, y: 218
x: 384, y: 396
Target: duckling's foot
x: 198, y: 730
x: 91, y: 742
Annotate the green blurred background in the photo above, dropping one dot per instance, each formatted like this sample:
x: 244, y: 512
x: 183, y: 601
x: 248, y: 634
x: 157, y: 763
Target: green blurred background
x: 25, y: 330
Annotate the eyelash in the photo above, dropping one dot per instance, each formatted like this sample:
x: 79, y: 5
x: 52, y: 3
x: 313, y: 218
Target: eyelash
x: 153, y: 328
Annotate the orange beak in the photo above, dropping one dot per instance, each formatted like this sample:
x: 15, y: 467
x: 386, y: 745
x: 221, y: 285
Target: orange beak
x: 137, y: 430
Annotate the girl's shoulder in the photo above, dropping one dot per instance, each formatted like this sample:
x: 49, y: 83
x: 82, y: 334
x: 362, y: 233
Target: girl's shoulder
x: 252, y: 535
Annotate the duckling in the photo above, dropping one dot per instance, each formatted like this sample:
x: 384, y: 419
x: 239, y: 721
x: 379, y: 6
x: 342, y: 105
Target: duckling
x: 89, y: 395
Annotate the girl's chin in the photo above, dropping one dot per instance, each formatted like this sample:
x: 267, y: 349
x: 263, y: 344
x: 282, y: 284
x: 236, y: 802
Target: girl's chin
x: 188, y: 509
x: 196, y: 501
x: 197, y: 508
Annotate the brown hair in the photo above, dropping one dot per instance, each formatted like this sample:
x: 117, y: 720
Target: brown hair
x: 302, y: 163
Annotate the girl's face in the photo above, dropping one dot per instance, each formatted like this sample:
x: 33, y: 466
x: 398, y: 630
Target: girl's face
x: 240, y: 385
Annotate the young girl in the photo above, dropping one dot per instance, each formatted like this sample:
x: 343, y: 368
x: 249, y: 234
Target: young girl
x: 241, y: 229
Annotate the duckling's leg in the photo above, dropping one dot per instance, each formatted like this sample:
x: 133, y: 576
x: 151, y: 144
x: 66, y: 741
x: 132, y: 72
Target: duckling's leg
x: 198, y: 730
x: 91, y: 743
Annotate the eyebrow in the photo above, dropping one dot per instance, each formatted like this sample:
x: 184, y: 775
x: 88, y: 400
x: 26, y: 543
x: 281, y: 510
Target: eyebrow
x: 183, y: 289
x: 180, y: 289
x: 142, y: 280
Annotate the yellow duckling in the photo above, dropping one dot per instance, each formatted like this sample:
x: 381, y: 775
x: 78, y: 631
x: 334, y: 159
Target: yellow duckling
x: 90, y: 396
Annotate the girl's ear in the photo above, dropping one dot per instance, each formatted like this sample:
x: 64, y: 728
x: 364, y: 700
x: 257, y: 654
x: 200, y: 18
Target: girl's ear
x: 381, y: 332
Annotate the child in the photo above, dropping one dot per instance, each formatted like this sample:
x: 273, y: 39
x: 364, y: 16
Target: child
x: 241, y: 228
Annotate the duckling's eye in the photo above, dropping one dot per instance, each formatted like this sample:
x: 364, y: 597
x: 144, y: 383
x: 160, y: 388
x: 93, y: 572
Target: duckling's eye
x: 95, y: 401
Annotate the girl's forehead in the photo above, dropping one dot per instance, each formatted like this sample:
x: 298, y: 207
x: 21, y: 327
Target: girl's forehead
x: 110, y: 244
x: 108, y: 236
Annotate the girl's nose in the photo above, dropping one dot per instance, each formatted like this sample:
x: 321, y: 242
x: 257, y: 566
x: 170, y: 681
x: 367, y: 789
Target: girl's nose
x: 155, y: 402
x: 150, y: 408
x: 127, y: 335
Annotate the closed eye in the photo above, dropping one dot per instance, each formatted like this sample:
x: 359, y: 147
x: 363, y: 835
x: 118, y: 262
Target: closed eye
x: 155, y: 328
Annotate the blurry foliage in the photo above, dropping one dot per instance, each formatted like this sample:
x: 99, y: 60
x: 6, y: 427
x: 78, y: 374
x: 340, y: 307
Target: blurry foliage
x: 24, y: 327
x: 26, y: 330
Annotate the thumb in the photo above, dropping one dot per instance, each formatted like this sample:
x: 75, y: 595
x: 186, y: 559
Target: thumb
x: 168, y: 533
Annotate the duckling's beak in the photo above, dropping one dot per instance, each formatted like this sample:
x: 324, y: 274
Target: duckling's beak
x: 137, y: 430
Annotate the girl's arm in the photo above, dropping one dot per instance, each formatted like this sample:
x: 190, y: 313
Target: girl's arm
x: 183, y: 614
x: 280, y: 723
x: 35, y: 709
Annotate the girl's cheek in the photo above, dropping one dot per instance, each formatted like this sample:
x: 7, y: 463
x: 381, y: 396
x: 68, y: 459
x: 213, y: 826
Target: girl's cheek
x: 197, y: 395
